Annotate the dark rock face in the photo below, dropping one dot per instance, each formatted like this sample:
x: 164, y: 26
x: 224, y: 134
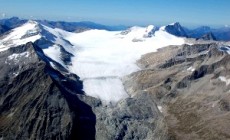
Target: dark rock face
x: 176, y: 29
x: 34, y: 105
x: 3, y: 29
x: 34, y: 108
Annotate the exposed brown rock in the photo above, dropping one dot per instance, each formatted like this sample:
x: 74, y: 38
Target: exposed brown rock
x: 186, y: 84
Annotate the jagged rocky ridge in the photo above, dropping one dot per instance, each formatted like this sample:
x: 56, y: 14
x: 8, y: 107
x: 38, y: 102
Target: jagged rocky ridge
x: 34, y: 103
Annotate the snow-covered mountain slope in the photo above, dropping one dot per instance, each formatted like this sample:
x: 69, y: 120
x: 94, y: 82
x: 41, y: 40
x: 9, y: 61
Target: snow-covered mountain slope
x: 51, y: 40
x: 100, y: 58
x: 21, y: 35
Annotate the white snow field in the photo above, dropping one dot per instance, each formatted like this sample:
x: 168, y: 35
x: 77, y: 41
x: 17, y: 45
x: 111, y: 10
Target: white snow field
x: 101, y: 58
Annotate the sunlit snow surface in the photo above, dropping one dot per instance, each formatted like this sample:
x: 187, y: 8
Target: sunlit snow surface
x: 54, y: 53
x: 29, y: 32
x: 103, y: 57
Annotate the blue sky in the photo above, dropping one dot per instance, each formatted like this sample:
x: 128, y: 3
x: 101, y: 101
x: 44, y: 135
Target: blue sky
x: 125, y: 12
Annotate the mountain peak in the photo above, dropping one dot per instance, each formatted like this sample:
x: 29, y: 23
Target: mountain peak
x: 208, y: 36
x: 150, y: 28
x: 175, y: 24
x: 17, y: 18
x: 149, y: 31
x: 32, y: 22
x: 175, y: 29
x: 29, y: 31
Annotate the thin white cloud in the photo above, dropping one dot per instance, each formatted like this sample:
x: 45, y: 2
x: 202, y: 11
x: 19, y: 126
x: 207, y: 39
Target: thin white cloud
x: 3, y: 15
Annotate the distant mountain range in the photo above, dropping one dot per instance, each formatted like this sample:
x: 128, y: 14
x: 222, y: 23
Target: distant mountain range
x: 220, y: 34
x: 68, y: 26
x: 4, y: 29
x: 13, y: 22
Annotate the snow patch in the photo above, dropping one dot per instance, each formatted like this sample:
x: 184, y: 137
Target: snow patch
x: 191, y: 69
x: 149, y: 32
x: 224, y: 79
x: 162, y: 28
x: 150, y: 28
x: 225, y: 49
x: 54, y: 52
x: 16, y: 56
x: 10, y: 115
x: 160, y: 108
x: 15, y: 74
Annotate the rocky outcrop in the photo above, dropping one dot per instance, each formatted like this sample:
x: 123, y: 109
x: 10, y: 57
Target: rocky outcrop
x: 135, y: 118
x: 190, y: 87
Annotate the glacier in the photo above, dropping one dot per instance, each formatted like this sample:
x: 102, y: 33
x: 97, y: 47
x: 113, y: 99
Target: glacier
x: 103, y: 58
x: 100, y: 58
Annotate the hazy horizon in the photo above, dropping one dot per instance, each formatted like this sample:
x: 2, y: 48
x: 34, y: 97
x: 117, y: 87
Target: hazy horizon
x: 123, y: 12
